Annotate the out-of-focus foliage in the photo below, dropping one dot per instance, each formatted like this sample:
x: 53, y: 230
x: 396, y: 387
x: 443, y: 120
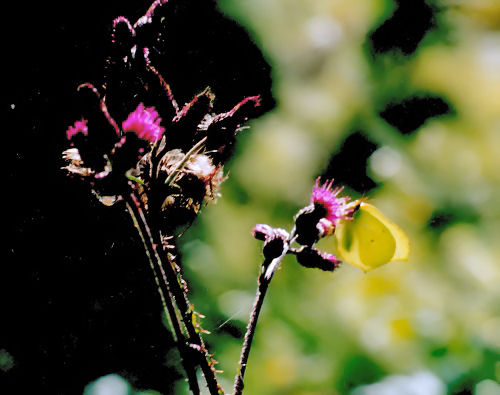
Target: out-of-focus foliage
x: 401, y: 105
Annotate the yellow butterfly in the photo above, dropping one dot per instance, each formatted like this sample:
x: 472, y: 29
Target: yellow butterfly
x: 370, y: 240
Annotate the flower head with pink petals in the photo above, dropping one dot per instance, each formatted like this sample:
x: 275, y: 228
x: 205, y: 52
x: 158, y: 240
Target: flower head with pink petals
x: 336, y: 208
x: 145, y: 122
x: 79, y: 127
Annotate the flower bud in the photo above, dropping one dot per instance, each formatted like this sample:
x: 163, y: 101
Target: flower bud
x: 274, y: 239
x: 273, y: 248
x: 262, y: 231
x: 306, y: 221
x: 313, y: 258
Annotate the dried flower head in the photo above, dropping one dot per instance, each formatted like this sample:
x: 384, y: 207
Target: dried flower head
x: 198, y: 170
x: 75, y: 163
x: 145, y: 122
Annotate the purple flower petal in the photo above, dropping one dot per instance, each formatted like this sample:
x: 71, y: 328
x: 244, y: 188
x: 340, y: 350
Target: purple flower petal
x: 145, y: 122
x: 336, y: 208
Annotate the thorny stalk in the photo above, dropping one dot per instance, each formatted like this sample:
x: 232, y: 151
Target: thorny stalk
x: 163, y: 289
x: 191, y: 345
x: 165, y: 162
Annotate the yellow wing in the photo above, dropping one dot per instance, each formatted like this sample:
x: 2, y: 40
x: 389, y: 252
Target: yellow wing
x: 370, y: 239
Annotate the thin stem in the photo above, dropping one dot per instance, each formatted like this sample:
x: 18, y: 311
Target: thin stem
x: 168, y: 309
x: 269, y: 267
x: 195, y: 346
x: 252, y: 324
x: 168, y: 306
x: 193, y: 151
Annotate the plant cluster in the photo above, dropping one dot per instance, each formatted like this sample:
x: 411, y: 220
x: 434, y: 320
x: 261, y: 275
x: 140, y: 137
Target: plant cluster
x: 164, y: 161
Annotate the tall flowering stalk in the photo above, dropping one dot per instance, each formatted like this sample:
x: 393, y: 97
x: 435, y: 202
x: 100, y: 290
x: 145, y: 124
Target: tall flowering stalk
x: 311, y: 223
x: 163, y: 161
x: 365, y: 238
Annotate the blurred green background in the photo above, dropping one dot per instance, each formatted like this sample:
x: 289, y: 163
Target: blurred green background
x: 402, y: 104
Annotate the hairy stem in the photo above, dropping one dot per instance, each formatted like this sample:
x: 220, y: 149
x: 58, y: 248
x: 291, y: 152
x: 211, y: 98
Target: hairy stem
x: 193, y: 349
x: 163, y: 290
x: 252, y: 324
x: 269, y: 267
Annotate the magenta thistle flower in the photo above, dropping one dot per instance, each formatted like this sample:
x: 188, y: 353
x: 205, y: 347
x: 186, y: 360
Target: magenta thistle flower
x: 326, y: 197
x: 145, y: 122
x: 79, y: 127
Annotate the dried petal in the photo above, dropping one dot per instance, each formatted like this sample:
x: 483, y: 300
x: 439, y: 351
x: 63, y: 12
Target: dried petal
x: 75, y: 163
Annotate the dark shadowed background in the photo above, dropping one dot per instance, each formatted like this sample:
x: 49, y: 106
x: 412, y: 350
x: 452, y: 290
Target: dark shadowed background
x: 397, y: 100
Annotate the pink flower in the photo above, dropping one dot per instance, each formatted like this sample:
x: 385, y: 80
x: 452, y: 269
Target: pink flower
x: 145, y: 122
x: 79, y: 127
x: 326, y: 197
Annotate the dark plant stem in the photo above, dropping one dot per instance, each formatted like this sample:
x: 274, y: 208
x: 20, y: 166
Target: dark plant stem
x: 191, y: 345
x: 252, y: 324
x: 164, y: 290
x: 269, y: 267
